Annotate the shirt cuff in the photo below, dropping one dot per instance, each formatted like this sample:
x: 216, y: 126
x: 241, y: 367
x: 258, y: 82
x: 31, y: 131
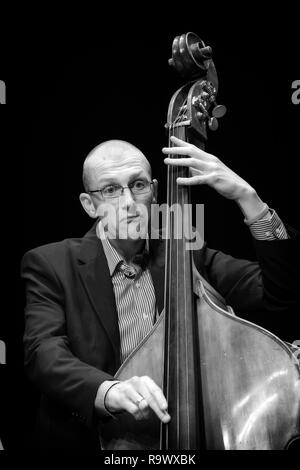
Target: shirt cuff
x: 269, y: 227
x: 101, y: 394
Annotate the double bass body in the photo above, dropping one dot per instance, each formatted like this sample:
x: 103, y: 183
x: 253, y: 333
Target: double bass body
x: 250, y: 384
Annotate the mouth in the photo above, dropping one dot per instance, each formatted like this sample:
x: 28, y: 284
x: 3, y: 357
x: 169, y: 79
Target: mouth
x: 131, y: 218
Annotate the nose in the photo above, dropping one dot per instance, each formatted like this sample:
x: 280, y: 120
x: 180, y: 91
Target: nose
x: 127, y: 198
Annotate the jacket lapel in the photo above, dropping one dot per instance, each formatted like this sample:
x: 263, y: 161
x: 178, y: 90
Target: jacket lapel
x: 157, y: 270
x: 94, y: 272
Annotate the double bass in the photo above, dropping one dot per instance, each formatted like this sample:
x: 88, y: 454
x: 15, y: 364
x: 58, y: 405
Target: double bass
x: 230, y: 384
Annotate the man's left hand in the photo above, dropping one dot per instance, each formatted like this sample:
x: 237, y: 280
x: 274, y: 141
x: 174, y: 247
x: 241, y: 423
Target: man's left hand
x: 206, y: 168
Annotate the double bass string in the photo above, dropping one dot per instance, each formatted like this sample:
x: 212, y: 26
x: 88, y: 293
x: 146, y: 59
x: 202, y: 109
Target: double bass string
x: 167, y: 297
x: 183, y: 197
x: 170, y: 236
x: 174, y: 194
x: 182, y: 192
x: 177, y: 301
x: 176, y: 171
x: 179, y: 225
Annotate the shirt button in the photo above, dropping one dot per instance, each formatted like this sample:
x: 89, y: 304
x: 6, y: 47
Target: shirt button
x: 137, y: 284
x: 277, y: 231
x: 267, y: 233
x: 145, y: 316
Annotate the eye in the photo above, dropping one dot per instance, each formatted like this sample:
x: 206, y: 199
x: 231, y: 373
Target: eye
x: 139, y: 184
x: 109, y: 190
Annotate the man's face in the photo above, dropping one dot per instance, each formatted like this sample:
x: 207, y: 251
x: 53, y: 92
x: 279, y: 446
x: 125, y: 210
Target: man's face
x: 125, y: 216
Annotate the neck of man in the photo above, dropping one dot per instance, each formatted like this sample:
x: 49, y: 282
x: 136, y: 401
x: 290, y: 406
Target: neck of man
x: 127, y: 248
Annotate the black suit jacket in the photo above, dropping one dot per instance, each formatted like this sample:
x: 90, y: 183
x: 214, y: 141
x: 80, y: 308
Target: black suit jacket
x: 72, y: 341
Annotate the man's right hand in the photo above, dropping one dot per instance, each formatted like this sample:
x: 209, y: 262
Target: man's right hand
x: 137, y: 396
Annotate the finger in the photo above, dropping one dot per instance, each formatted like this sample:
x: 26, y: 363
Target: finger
x: 178, y: 141
x: 191, y: 162
x: 154, y: 389
x: 124, y: 397
x: 133, y: 409
x: 193, y: 180
x: 160, y: 412
x: 141, y: 403
x: 144, y: 408
x: 127, y: 398
x: 190, y: 150
x: 155, y: 399
x: 177, y: 150
x: 133, y: 400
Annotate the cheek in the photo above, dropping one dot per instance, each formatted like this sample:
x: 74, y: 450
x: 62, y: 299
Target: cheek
x: 150, y: 199
x: 107, y: 211
x: 145, y: 205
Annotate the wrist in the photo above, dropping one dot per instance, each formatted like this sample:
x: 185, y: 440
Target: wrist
x: 250, y: 203
x: 99, y: 403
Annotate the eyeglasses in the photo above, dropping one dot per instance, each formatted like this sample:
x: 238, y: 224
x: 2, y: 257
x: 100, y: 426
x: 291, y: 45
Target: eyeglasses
x: 137, y: 188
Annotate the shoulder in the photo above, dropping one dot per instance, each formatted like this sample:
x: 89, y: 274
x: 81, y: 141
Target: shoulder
x: 57, y: 250
x: 63, y: 254
x: 51, y: 251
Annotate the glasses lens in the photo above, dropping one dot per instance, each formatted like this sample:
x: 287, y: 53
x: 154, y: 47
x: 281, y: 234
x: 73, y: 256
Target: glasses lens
x: 140, y: 187
x: 112, y: 191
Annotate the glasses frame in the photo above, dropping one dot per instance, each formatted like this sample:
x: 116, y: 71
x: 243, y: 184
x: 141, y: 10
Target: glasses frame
x: 122, y: 190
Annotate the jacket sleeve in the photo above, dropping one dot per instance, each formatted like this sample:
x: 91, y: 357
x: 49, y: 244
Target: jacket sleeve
x: 49, y: 361
x: 269, y: 285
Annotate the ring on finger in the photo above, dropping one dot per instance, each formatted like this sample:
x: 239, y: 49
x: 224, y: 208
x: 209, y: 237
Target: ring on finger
x: 139, y: 401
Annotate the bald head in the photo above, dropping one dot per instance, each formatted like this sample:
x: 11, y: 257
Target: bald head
x: 111, y: 157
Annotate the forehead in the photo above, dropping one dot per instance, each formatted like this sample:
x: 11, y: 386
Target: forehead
x: 118, y: 166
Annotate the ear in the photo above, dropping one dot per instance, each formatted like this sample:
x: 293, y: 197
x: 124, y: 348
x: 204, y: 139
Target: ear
x: 155, y: 191
x: 88, y: 205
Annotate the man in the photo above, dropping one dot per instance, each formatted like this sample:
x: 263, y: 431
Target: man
x: 91, y: 301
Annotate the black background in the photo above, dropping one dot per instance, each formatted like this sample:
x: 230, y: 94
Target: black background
x: 71, y: 86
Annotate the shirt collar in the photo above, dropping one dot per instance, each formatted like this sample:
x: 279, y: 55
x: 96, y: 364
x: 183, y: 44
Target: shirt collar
x: 114, y: 259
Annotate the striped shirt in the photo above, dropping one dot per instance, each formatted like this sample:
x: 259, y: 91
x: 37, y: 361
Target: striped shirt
x: 135, y: 299
x: 269, y: 227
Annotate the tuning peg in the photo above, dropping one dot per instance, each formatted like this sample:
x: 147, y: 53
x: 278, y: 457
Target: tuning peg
x: 201, y: 116
x: 213, y: 123
x: 219, y: 110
